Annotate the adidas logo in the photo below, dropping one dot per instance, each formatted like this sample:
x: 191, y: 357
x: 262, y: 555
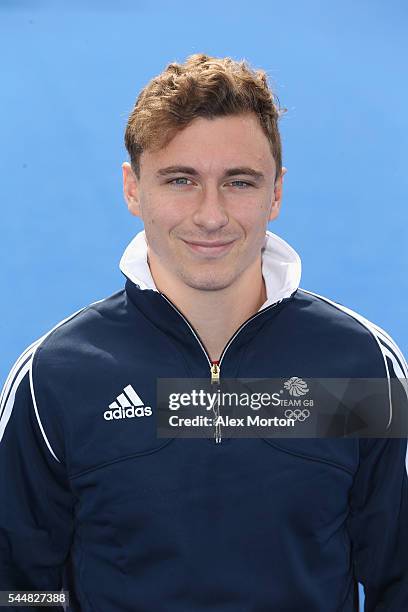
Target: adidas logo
x: 127, y: 405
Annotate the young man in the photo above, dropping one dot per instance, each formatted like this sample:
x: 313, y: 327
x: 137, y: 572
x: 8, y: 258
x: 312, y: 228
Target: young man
x: 94, y: 501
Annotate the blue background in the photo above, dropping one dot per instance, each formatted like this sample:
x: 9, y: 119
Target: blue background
x: 70, y: 74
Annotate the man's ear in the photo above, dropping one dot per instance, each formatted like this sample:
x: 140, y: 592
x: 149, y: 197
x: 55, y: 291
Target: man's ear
x: 131, y: 190
x: 278, y: 192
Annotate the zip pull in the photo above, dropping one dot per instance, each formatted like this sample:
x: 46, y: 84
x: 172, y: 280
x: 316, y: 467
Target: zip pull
x: 215, y: 372
x: 215, y: 379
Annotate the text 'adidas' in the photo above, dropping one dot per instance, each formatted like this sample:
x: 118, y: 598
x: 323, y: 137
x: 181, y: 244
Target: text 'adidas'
x: 127, y: 405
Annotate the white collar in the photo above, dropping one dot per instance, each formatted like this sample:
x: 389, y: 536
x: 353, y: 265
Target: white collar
x: 281, y: 266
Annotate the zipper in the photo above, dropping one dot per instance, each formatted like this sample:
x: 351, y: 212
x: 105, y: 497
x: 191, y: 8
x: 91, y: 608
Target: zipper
x: 215, y: 380
x: 215, y: 372
x: 215, y: 366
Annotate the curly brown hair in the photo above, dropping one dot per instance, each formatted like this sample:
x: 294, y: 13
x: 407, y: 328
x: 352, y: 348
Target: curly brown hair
x: 203, y: 86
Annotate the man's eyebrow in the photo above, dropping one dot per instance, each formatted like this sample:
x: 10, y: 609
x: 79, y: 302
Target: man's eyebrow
x: 177, y: 169
x: 247, y: 170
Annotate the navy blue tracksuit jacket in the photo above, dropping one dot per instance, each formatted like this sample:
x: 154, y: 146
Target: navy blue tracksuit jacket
x: 130, y: 522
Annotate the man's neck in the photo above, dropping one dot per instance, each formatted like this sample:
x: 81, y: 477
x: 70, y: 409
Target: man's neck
x: 216, y: 315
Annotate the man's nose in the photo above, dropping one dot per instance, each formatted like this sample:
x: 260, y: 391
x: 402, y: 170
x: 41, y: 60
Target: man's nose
x: 210, y: 210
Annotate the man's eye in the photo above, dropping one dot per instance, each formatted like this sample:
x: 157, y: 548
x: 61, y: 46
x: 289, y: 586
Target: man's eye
x: 241, y: 184
x: 180, y: 178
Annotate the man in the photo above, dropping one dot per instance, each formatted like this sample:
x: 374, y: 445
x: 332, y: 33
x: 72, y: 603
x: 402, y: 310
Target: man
x: 94, y: 501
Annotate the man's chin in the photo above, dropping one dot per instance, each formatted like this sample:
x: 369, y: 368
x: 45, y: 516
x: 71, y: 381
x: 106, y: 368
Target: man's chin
x: 207, y: 283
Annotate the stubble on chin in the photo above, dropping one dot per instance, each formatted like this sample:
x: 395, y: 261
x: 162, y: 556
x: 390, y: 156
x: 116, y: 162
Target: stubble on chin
x: 206, y: 279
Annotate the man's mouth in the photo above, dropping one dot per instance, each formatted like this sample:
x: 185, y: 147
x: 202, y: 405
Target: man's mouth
x: 215, y: 247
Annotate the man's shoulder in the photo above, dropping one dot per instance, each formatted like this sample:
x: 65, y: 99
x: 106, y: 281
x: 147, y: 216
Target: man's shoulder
x: 88, y: 319
x: 331, y: 312
x: 76, y: 332
x: 332, y: 317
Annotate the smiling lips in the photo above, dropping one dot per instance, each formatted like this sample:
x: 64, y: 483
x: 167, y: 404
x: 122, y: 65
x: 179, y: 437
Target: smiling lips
x: 210, y: 248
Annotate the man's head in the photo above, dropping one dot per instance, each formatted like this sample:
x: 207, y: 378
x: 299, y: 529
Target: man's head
x: 206, y: 167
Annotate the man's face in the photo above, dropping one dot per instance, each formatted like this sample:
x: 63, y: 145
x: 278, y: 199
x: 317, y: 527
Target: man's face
x: 213, y: 183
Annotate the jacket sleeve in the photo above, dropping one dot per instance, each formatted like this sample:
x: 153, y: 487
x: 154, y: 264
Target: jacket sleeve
x: 36, y: 509
x: 378, y: 519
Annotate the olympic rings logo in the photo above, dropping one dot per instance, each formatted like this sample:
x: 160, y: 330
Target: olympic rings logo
x: 297, y: 415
